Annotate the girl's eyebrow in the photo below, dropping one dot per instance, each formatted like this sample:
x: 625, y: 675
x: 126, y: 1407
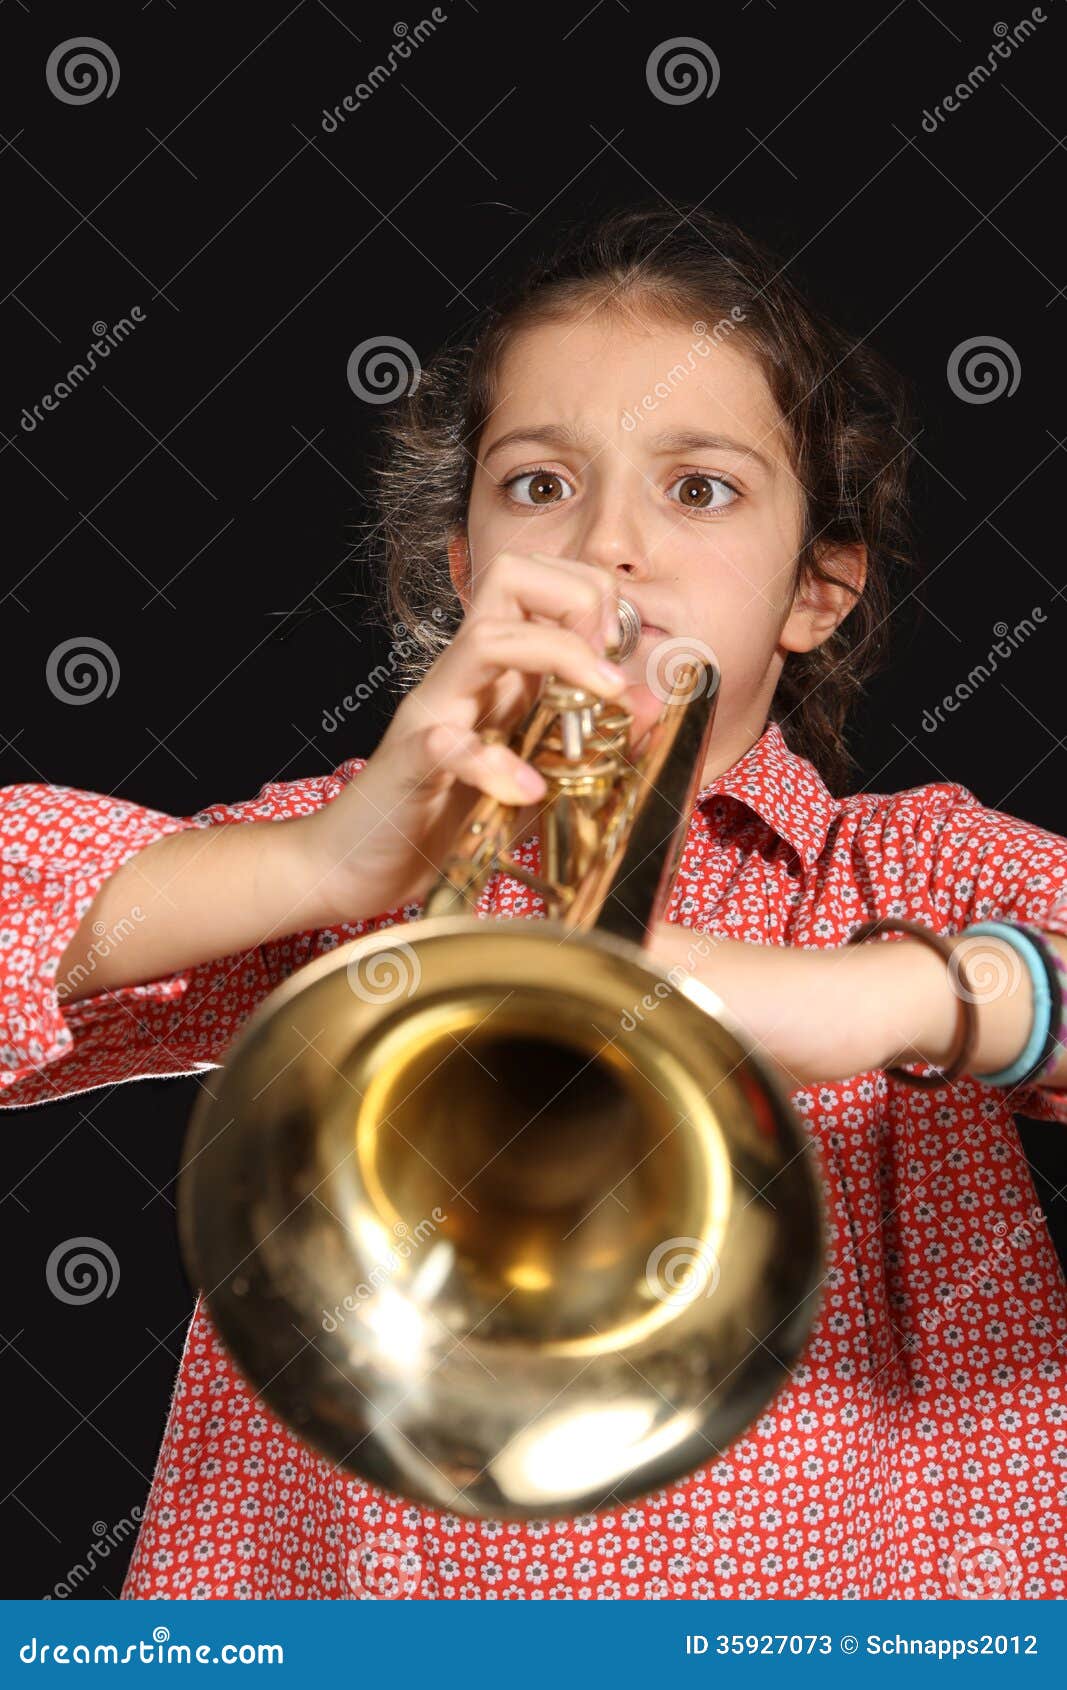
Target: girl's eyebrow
x: 695, y: 440
x: 671, y: 440
x: 549, y: 434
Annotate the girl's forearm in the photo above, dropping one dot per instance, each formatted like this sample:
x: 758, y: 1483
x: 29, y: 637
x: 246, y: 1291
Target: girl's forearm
x: 189, y: 897
x: 824, y: 1014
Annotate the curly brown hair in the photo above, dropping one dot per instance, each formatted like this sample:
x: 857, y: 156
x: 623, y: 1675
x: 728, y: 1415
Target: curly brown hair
x: 846, y: 411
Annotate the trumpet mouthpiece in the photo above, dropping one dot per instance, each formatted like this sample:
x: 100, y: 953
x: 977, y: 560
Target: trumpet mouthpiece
x: 629, y: 632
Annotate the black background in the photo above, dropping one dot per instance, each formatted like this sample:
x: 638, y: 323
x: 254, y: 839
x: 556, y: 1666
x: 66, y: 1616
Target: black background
x: 211, y: 473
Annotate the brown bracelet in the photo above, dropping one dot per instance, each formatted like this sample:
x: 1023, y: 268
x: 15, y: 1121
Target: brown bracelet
x: 967, y: 1022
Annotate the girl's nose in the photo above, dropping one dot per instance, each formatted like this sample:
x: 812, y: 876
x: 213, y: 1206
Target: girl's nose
x: 620, y: 557
x: 611, y: 536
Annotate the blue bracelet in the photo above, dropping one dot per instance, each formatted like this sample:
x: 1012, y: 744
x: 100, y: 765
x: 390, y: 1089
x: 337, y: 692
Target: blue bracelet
x: 1056, y: 969
x: 1035, y: 1044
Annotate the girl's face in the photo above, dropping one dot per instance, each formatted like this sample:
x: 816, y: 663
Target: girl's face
x: 658, y: 454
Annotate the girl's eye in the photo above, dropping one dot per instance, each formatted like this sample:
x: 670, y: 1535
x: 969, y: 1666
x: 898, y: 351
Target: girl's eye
x: 539, y: 487
x: 697, y: 492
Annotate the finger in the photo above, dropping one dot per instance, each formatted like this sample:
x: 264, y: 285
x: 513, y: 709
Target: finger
x: 605, y: 583
x: 490, y: 768
x: 536, y: 584
x: 486, y: 646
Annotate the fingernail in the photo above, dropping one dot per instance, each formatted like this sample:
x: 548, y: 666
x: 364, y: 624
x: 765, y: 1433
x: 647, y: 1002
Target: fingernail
x: 610, y: 671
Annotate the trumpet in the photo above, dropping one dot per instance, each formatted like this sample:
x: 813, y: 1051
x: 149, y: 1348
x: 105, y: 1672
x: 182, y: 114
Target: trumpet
x: 498, y: 1214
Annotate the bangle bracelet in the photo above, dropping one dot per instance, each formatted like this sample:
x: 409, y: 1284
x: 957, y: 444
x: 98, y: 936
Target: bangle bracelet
x: 1056, y: 970
x: 1035, y: 1048
x: 966, y: 1035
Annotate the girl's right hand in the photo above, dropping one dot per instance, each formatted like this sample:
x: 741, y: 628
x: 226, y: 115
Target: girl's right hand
x: 380, y: 842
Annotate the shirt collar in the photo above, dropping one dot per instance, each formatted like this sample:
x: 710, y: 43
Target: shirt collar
x: 783, y: 789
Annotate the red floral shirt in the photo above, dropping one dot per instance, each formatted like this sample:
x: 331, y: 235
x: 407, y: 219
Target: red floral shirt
x: 920, y: 1447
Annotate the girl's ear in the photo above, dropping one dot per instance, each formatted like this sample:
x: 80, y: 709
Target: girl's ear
x: 820, y: 606
x: 459, y: 566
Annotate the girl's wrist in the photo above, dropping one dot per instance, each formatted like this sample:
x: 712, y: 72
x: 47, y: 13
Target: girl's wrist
x: 911, y: 1004
x: 318, y: 870
x: 919, y: 998
x: 287, y: 884
x: 343, y: 858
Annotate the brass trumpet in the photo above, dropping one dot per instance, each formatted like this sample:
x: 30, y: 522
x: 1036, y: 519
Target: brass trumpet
x: 495, y: 1213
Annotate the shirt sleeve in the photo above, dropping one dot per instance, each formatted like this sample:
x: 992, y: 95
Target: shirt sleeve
x: 58, y: 845
x: 988, y: 865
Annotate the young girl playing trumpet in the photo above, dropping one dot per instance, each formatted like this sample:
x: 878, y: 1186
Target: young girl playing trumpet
x: 653, y: 412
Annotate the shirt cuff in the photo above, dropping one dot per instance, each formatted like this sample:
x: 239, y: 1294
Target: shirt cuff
x: 41, y: 911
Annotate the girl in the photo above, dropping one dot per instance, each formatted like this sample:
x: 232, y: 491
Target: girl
x: 656, y: 412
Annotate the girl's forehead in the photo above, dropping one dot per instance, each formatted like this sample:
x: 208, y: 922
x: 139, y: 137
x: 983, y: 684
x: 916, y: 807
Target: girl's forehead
x: 594, y: 370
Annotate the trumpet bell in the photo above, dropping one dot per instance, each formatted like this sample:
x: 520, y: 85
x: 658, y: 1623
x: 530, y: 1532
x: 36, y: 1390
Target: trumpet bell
x: 498, y: 1217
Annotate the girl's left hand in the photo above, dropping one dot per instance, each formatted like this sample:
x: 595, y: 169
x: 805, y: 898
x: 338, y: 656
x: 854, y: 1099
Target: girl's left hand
x: 819, y: 1014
